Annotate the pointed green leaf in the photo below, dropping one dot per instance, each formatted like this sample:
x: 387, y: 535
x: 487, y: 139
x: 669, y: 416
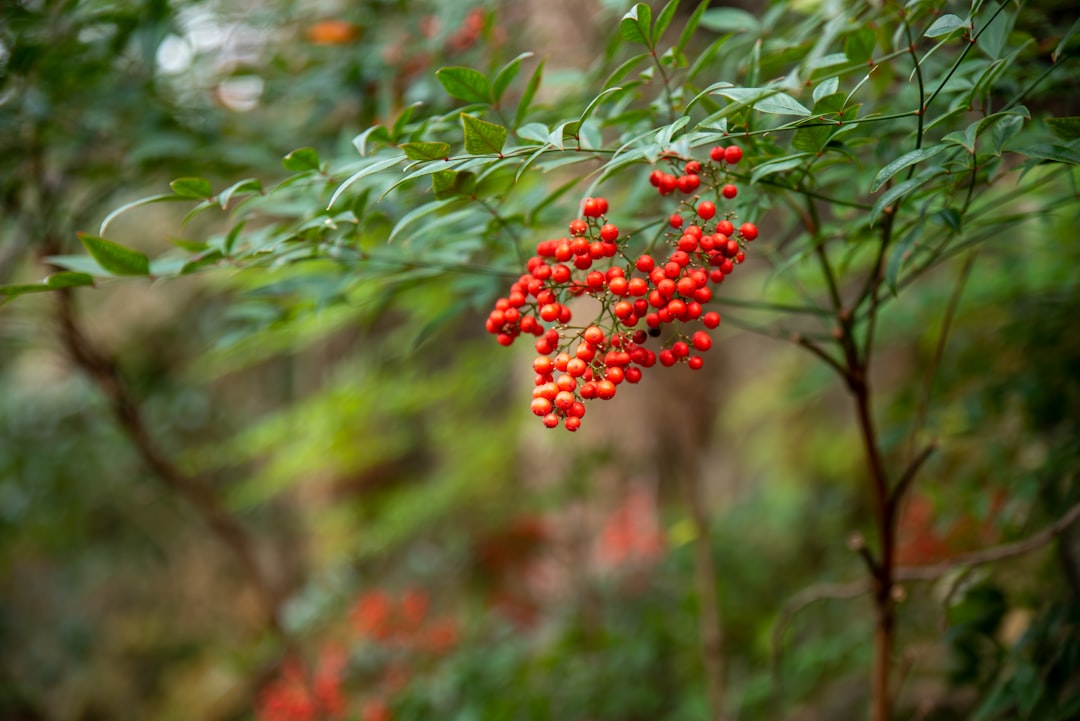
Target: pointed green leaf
x: 537, y: 132
x: 691, y: 27
x: 730, y: 20
x: 416, y: 213
x: 452, y: 183
x: 780, y: 165
x: 301, y: 159
x: 56, y: 281
x: 663, y: 20
x: 1056, y: 55
x: 812, y: 139
x: 482, y: 137
x: 506, y: 76
x: 766, y: 100
x: 904, y: 161
x: 403, y: 118
x: 465, y: 84
x: 210, y: 257
x: 824, y: 88
x: 944, y: 25
x: 250, y: 185
x: 620, y: 72
x: 635, y: 24
x: 899, y: 190
x: 425, y: 151
x: 115, y: 258
x: 375, y: 132
x: 375, y: 167
x: 1065, y: 128
x: 528, y: 94
x: 192, y: 188
x: 859, y: 45
x: 164, y: 198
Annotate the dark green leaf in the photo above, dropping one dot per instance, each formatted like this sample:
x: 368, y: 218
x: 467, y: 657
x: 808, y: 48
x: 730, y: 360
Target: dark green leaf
x: 904, y: 161
x: 69, y: 279
x: 375, y: 167
x: 944, y: 25
x: 594, y: 103
x: 1056, y: 55
x: 620, y: 72
x: 506, y: 76
x: 301, y: 159
x: 812, y: 139
x: 528, y: 94
x: 192, y: 188
x: 465, y: 84
x: 115, y: 258
x: 766, y: 100
x: 899, y: 190
x: 200, y: 261
x: 482, y: 137
x: 859, y: 45
x: 663, y: 20
x: 691, y: 26
x: 1052, y: 152
x: 452, y: 183
x: 1065, y: 128
x: 425, y: 151
x: 780, y: 165
x: 402, y: 120
x: 416, y: 213
x: 231, y: 236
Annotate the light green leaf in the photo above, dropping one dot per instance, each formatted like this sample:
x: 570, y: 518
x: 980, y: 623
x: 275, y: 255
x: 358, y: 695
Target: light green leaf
x: 825, y: 88
x: 482, y: 137
x: 164, y: 198
x: 425, y: 151
x: 376, y: 167
x: 537, y: 132
x: 730, y: 20
x: 904, y: 161
x: 375, y: 132
x: 402, y: 120
x: 69, y: 279
x: 944, y: 25
x: 635, y: 24
x: 250, y: 185
x: 301, y: 159
x: 766, y: 100
x: 192, y: 188
x: 859, y: 45
x: 465, y: 84
x: 416, y: 213
x: 506, y: 76
x: 115, y: 258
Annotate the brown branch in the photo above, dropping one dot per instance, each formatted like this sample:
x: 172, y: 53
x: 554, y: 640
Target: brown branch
x: 910, y: 472
x: 992, y: 554
x: 128, y: 414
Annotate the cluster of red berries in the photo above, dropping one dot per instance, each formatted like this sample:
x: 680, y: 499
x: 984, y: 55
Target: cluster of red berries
x: 580, y: 363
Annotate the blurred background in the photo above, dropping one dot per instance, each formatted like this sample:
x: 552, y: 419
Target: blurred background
x: 232, y: 496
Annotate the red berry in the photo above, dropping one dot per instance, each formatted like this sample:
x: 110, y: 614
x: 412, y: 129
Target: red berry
x: 695, y: 362
x: 724, y: 227
x: 711, y: 319
x: 593, y: 335
x: 693, y: 167
x: 645, y: 263
x: 572, y: 423
x: 609, y: 232
x: 590, y: 209
x: 687, y: 183
x: 541, y: 406
x: 551, y: 420
x: 668, y: 184
x: 578, y: 227
x: 706, y: 209
x: 732, y: 155
x: 543, y: 365
x: 701, y: 341
x: 675, y: 220
x: 748, y: 231
x: 717, y: 154
x: 729, y: 191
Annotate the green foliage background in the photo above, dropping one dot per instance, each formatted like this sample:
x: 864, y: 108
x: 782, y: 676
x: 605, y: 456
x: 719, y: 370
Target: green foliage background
x: 305, y: 336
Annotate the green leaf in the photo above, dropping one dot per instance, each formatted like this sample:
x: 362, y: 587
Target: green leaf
x: 537, y: 132
x: 595, y: 103
x: 620, y: 72
x: 1052, y: 152
x: 375, y: 167
x: 1065, y: 128
x: 635, y: 24
x: 418, y: 212
x: 663, y: 20
x: 250, y: 185
x: 825, y: 88
x: 945, y: 25
x: 115, y: 258
x: 202, y: 260
x: 730, y: 20
x: 780, y: 165
x: 375, y: 132
x: 1056, y: 55
x: 465, y: 84
x: 403, y: 118
x: 859, y: 45
x: 482, y: 137
x: 452, y: 183
x: 506, y: 76
x: 691, y: 26
x: 56, y: 281
x: 812, y: 139
x: 528, y: 94
x: 230, y: 238
x: 426, y: 151
x: 904, y: 161
x: 899, y: 190
x: 301, y: 159
x: 766, y: 100
x: 965, y: 138
x: 163, y: 198
x: 192, y: 188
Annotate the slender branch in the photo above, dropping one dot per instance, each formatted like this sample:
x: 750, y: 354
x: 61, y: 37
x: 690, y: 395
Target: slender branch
x: 910, y: 472
x: 992, y: 554
x: 128, y: 414
x: 820, y: 352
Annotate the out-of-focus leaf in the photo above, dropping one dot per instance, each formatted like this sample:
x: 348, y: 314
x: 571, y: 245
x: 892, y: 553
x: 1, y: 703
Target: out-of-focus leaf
x: 115, y: 258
